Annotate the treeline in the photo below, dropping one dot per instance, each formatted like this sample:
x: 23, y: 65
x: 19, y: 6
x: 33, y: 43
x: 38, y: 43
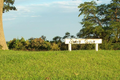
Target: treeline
x: 42, y: 44
x: 39, y: 44
x: 58, y: 43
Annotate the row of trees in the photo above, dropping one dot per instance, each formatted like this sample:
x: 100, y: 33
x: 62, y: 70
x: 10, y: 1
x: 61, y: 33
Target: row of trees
x: 33, y: 44
x: 39, y: 44
x: 42, y: 44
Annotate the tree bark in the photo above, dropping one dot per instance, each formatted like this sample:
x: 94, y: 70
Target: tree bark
x: 2, y: 37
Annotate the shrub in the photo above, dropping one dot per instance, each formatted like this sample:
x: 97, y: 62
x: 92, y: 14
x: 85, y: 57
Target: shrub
x: 74, y: 47
x: 17, y: 44
x: 0, y: 46
x: 12, y: 44
x: 106, y: 45
x: 64, y: 46
x: 39, y: 44
x: 82, y: 47
x: 90, y: 46
x: 116, y: 46
x: 54, y: 47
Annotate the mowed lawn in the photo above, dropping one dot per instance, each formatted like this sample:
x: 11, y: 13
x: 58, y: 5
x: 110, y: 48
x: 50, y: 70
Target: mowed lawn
x: 60, y: 65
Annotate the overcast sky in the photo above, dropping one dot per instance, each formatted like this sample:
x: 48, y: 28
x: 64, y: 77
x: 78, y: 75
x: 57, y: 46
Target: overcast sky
x: 50, y: 18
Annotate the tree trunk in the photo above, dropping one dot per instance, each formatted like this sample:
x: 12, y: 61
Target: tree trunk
x: 2, y: 37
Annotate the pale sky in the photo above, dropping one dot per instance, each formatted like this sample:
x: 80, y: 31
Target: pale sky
x: 50, y: 18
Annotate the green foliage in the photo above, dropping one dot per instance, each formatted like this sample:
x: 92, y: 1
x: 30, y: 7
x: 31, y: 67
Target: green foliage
x: 0, y: 47
x: 106, y: 45
x: 100, y: 21
x: 43, y: 37
x: 87, y: 8
x: 31, y: 44
x: 74, y: 47
x: 17, y: 44
x: 8, y: 5
x: 39, y: 44
x: 116, y: 46
x: 60, y: 65
x: 55, y: 47
x: 83, y: 47
x: 63, y: 46
x: 67, y: 35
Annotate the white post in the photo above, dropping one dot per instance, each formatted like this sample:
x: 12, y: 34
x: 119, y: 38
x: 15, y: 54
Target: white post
x: 96, y: 47
x: 69, y: 47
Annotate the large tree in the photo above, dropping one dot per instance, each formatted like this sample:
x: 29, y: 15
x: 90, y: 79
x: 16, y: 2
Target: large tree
x: 5, y: 6
x: 100, y: 21
x: 114, y: 15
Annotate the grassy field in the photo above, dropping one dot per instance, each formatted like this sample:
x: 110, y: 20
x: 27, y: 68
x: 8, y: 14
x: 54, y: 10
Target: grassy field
x: 60, y: 65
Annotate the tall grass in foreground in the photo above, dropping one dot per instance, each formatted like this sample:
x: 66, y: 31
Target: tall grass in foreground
x: 60, y: 65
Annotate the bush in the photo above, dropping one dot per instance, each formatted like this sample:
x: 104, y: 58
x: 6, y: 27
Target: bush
x: 116, y: 46
x: 64, y: 46
x: 90, y: 46
x: 82, y: 47
x: 74, y: 47
x: 106, y: 45
x: 54, y: 47
x: 17, y: 44
x: 39, y: 44
x: 0, y: 46
x: 34, y: 44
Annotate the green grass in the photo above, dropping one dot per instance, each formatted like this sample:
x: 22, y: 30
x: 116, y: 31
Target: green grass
x: 60, y: 65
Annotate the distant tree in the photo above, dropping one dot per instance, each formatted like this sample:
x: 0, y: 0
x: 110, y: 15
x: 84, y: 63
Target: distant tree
x: 31, y: 39
x: 5, y: 6
x: 57, y: 39
x: 43, y: 37
x: 72, y: 36
x: 67, y: 35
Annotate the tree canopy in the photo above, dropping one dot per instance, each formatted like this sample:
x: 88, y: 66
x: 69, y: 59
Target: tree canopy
x: 8, y: 5
x: 100, y: 21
